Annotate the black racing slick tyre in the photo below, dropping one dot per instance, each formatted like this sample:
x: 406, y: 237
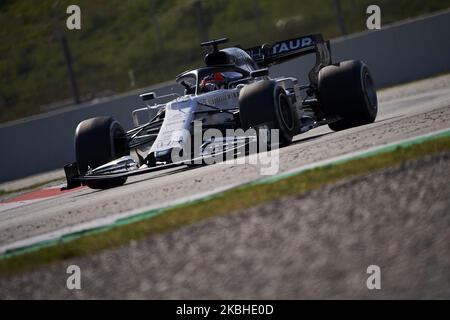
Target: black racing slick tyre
x: 347, y: 93
x: 98, y: 141
x: 266, y: 103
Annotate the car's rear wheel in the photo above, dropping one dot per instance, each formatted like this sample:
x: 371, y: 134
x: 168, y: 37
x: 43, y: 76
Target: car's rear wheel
x: 347, y: 93
x: 98, y: 141
x: 266, y: 104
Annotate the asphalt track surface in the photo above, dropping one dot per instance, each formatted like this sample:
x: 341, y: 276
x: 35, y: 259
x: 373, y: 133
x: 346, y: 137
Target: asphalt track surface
x: 405, y: 112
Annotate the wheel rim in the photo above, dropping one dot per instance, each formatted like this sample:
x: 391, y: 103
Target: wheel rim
x: 285, y: 112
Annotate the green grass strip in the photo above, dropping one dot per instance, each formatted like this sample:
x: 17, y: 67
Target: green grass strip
x: 154, y: 222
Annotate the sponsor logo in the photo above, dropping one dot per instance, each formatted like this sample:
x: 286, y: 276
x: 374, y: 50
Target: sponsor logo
x: 219, y: 99
x: 291, y: 45
x: 282, y: 47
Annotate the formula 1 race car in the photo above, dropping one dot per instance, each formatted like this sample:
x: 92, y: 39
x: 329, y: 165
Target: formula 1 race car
x: 232, y: 92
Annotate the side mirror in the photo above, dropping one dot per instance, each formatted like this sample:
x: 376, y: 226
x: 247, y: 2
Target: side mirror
x: 259, y: 73
x: 147, y: 96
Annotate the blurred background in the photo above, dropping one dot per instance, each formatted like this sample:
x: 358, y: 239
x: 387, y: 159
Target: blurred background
x: 126, y: 45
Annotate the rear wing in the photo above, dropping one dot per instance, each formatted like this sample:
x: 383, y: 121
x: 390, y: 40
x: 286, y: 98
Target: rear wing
x: 267, y: 55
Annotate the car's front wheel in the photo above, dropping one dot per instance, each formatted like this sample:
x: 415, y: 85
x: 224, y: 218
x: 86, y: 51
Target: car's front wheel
x: 98, y: 141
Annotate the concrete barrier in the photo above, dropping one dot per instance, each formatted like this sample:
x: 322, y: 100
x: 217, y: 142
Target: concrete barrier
x: 395, y: 54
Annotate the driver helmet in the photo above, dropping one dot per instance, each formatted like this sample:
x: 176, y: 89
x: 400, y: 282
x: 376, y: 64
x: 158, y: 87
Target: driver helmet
x: 212, y: 82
